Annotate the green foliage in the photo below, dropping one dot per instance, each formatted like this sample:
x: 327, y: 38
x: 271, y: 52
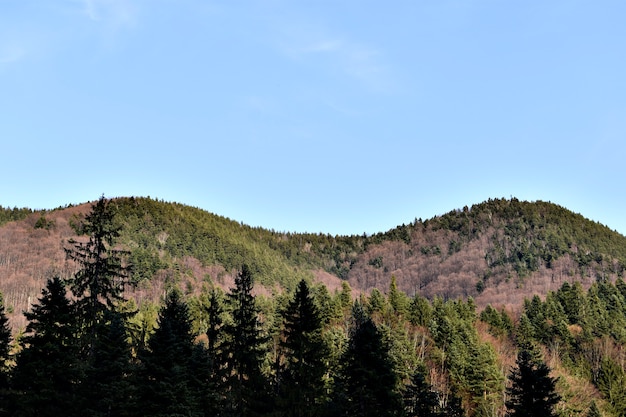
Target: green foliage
x: 107, y: 388
x: 160, y: 234
x: 499, y: 322
x: 14, y: 214
x: 44, y: 223
x: 594, y: 411
x: 397, y: 299
x: 472, y: 365
x: 245, y: 347
x: 376, y: 302
x: 48, y: 369
x: 530, y: 234
x: 366, y: 386
x: 611, y: 381
x: 99, y: 283
x: 532, y: 391
x: 302, y: 385
x: 166, y: 370
x: 420, y: 311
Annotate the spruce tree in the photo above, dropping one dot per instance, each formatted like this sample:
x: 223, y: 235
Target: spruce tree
x: 210, y: 358
x: 244, y: 351
x: 48, y: 370
x: 166, y: 367
x: 367, y: 383
x: 108, y: 388
x: 98, y: 284
x: 532, y: 391
x: 302, y: 385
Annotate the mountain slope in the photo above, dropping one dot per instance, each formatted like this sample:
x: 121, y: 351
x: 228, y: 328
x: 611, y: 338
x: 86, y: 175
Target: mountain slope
x: 498, y: 252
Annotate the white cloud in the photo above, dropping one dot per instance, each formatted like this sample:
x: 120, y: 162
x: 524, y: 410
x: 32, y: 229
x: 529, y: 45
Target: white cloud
x: 360, y: 62
x: 316, y: 46
x: 111, y: 12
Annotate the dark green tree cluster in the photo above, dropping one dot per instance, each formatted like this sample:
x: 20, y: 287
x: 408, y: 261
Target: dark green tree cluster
x: 586, y: 330
x: 12, y: 214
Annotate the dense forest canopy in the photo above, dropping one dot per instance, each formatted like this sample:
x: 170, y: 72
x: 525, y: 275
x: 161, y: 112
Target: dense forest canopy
x: 157, y: 308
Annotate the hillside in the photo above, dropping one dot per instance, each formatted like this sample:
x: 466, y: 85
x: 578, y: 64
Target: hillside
x: 498, y: 252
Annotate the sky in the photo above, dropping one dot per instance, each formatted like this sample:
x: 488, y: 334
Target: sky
x: 339, y: 117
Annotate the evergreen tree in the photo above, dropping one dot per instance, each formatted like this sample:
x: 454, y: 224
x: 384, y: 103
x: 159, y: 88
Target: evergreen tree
x: 611, y: 382
x: 532, y: 391
x: 397, y: 299
x: 107, y: 389
x: 214, y: 311
x: 48, y: 371
x: 345, y: 295
x: 244, y: 351
x: 166, y: 371
x: 376, y: 302
x: 420, y: 400
x: 212, y: 356
x: 367, y: 383
x: 420, y: 311
x: 302, y: 389
x: 99, y: 283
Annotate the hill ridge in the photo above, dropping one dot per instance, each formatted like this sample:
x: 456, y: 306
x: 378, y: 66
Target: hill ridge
x: 498, y: 251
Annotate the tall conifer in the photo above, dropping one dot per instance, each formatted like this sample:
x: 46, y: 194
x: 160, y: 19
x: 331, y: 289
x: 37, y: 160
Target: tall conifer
x: 367, y: 382
x: 98, y: 284
x: 166, y: 371
x: 532, y: 391
x: 302, y: 386
x: 48, y: 370
x: 244, y: 351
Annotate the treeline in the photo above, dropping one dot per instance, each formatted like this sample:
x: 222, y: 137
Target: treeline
x: 323, y: 356
x: 306, y: 352
x: 12, y: 214
x: 310, y: 353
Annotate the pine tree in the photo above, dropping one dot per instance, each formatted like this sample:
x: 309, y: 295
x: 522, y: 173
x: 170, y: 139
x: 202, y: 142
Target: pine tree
x: 244, y: 351
x: 367, y: 383
x: 532, y: 391
x: 165, y: 375
x: 303, y: 388
x: 99, y: 283
x: 48, y: 370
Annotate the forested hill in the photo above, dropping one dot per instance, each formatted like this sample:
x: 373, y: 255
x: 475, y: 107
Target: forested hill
x: 498, y: 252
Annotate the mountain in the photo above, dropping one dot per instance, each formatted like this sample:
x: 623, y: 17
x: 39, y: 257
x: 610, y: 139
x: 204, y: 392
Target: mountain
x: 499, y: 252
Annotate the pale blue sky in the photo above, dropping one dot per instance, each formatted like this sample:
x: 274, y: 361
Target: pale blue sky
x: 323, y: 116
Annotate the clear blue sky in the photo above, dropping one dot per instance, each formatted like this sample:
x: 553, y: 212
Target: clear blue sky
x: 323, y: 116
